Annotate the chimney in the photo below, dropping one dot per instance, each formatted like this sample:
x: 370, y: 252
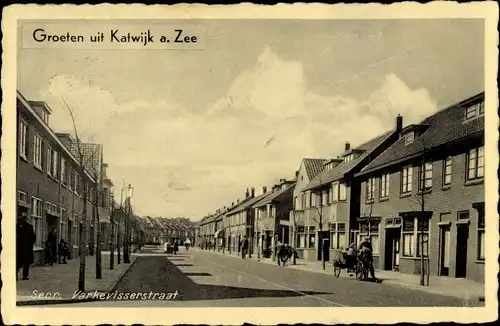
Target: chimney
x: 282, y: 181
x: 264, y: 189
x: 237, y: 201
x: 347, y: 146
x: 399, y: 123
x: 253, y: 192
x: 232, y: 204
x: 297, y: 174
x: 247, y: 194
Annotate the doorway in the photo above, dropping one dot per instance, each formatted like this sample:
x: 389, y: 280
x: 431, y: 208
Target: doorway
x: 392, y: 248
x: 444, y: 250
x: 461, y: 258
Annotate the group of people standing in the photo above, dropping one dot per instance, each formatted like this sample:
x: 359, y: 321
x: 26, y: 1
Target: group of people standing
x: 25, y: 241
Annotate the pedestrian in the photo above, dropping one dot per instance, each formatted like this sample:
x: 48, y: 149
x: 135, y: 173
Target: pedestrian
x: 366, y: 255
x: 176, y: 247
x: 244, y: 247
x: 278, y: 252
x: 25, y: 240
x: 52, y: 239
x: 63, y: 251
x: 47, y: 253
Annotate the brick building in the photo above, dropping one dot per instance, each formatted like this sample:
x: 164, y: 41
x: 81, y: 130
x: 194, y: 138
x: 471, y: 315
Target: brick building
x: 428, y: 186
x: 331, y: 199
x: 49, y: 183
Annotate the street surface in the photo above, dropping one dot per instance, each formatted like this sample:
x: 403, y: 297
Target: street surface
x: 205, y: 279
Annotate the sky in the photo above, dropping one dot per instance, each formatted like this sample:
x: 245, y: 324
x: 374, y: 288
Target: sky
x: 191, y: 130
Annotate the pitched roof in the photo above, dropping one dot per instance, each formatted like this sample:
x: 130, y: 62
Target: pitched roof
x: 338, y: 172
x: 444, y: 127
x: 234, y: 209
x: 314, y: 166
x: 251, y: 202
x: 275, y: 196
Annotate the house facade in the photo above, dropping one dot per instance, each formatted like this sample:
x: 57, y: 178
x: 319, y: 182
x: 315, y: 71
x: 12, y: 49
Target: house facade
x: 331, y: 203
x: 272, y: 217
x: 235, y: 222
x: 309, y: 168
x: 49, y: 180
x: 425, y: 196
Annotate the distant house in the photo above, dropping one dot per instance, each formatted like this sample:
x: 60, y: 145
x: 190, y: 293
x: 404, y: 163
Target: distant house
x: 331, y: 204
x: 235, y: 222
x: 429, y: 186
x: 272, y: 214
x: 308, y: 170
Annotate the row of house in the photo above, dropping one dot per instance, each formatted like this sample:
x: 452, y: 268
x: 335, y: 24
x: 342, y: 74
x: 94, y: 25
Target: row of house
x: 158, y: 230
x: 51, y: 184
x: 413, y: 185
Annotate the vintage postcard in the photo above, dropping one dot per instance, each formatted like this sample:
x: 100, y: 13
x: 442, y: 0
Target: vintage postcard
x: 197, y: 164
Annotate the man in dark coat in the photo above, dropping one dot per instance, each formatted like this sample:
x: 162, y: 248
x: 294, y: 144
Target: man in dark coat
x: 25, y: 239
x: 52, y: 239
x: 244, y: 247
x: 366, y: 254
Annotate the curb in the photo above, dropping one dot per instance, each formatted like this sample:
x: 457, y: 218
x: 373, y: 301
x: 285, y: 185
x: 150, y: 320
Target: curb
x: 70, y: 300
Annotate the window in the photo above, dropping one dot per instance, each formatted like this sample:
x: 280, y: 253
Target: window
x: 370, y: 189
x: 370, y: 229
x: 302, y: 237
x: 23, y: 139
x: 37, y: 150
x: 480, y: 235
x: 422, y: 233
x: 384, y: 186
x: 313, y: 199
x: 335, y: 192
x: 324, y: 199
x: 55, y: 162
x: 348, y: 158
x: 474, y: 110
x: 22, y: 197
x: 63, y: 171
x: 342, y: 191
x: 36, y: 219
x: 303, y: 197
x: 408, y: 236
x: 308, y: 199
x: 406, y: 180
x: 409, y: 137
x: 76, y: 185
x: 470, y: 112
x: 337, y: 235
x: 464, y: 215
x: 475, y: 163
x: 425, y: 176
x: 312, y: 237
x: 447, y: 171
x: 49, y: 160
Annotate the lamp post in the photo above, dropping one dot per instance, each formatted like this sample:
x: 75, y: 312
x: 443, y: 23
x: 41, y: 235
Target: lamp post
x: 112, y: 220
x: 128, y: 208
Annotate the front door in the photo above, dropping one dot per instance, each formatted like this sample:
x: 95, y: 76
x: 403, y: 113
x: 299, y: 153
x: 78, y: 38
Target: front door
x: 396, y: 246
x: 461, y: 258
x: 392, y: 241
x: 444, y: 250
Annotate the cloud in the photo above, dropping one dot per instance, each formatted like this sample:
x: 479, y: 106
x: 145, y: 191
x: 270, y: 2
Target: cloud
x: 185, y: 163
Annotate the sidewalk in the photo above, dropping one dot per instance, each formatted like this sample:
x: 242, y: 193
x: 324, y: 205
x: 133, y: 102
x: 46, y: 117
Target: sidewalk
x: 447, y: 286
x: 59, y: 283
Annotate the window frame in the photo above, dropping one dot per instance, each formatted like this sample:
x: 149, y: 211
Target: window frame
x: 370, y: 189
x: 424, y: 178
x: 481, y: 234
x: 446, y: 173
x: 371, y: 230
x: 37, y: 150
x: 384, y: 185
x: 23, y: 139
x: 409, y: 137
x: 476, y: 151
x: 407, y: 188
x: 410, y: 233
x: 342, y: 191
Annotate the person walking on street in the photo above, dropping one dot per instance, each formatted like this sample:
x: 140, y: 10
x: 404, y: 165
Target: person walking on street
x: 244, y: 247
x: 278, y: 252
x: 176, y: 247
x: 52, y: 240
x: 367, y: 255
x: 63, y: 251
x: 25, y: 240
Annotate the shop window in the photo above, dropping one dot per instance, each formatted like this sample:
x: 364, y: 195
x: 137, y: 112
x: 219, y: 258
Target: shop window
x: 408, y: 236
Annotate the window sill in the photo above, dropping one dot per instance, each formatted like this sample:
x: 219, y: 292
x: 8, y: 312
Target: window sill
x: 413, y: 258
x: 39, y: 168
x: 24, y: 158
x: 479, y: 261
x: 383, y: 199
x: 446, y: 187
x: 474, y: 182
x: 405, y: 195
x: 368, y: 202
x: 425, y: 192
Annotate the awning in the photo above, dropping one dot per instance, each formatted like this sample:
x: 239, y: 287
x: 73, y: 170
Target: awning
x: 219, y: 233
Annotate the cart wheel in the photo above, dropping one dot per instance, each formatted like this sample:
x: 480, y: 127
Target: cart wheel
x: 336, y: 271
